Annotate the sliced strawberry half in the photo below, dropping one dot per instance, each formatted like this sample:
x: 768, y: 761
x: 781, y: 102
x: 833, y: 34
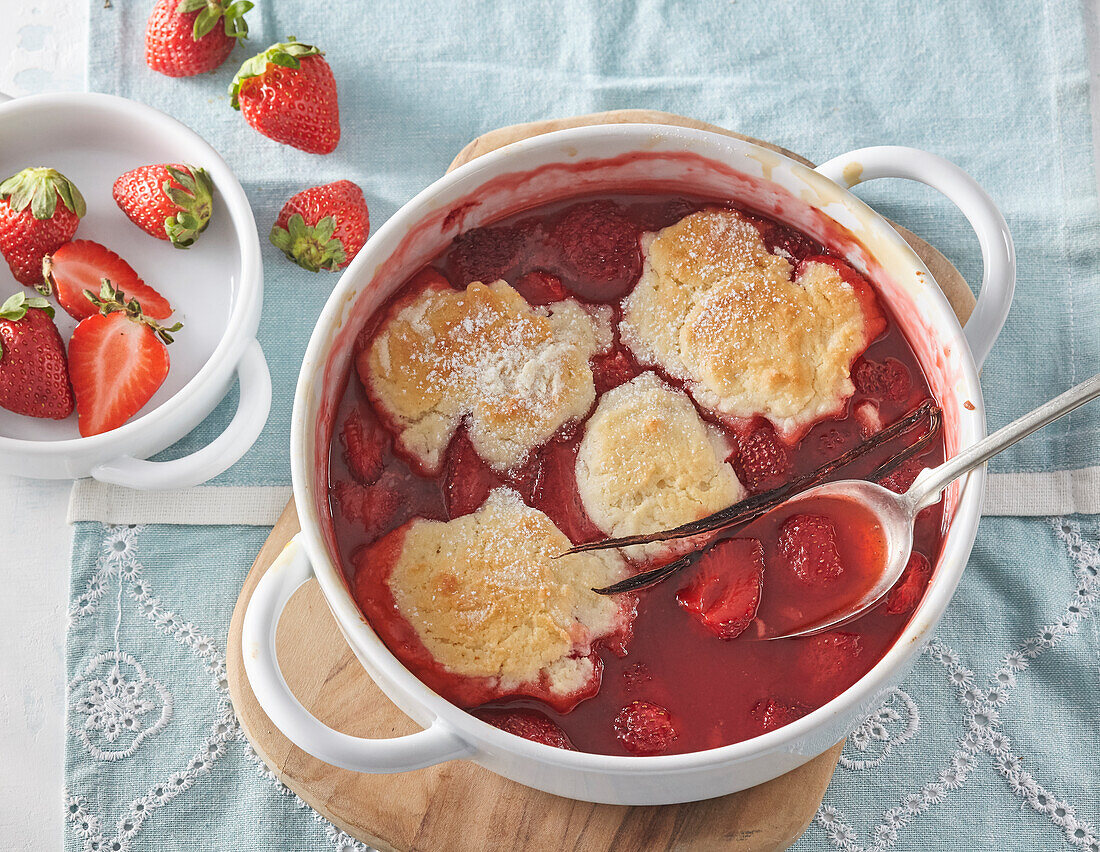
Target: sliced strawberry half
x: 529, y: 724
x: 117, y: 361
x: 771, y: 713
x: 82, y: 265
x: 644, y: 728
x: 808, y: 544
x: 905, y: 596
x: 761, y: 461
x: 724, y: 591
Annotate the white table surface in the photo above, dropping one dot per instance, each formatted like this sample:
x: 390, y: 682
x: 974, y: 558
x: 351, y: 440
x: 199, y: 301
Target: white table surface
x: 45, y: 50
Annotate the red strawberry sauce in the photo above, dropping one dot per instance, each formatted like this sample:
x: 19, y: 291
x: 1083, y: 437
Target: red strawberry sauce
x: 715, y: 691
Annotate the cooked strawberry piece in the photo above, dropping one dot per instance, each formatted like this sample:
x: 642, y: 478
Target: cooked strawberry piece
x: 808, y: 543
x: 829, y: 657
x: 905, y: 596
x: 377, y: 508
x: 614, y: 369
x: 82, y: 265
x: 882, y: 380
x: 903, y: 477
x: 602, y: 245
x: 785, y: 241
x: 555, y: 493
x: 469, y: 479
x: 529, y: 724
x: 760, y: 460
x: 724, y: 590
x: 636, y: 676
x: 485, y: 254
x: 644, y: 728
x: 771, y: 713
x: 365, y: 442
x: 541, y: 288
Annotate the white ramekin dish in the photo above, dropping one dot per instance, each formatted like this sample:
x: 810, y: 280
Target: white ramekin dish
x: 639, y: 158
x: 216, y: 287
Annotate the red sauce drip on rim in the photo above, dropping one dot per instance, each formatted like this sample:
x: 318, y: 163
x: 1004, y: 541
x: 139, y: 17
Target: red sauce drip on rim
x: 716, y: 691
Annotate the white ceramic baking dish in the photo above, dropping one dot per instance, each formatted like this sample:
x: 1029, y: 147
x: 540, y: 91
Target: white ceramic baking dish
x: 216, y: 288
x: 594, y: 159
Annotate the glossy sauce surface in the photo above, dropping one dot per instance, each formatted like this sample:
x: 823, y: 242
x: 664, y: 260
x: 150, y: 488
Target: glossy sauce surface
x: 716, y: 691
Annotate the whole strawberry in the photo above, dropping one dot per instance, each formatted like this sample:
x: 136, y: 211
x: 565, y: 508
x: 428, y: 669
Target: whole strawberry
x: 323, y: 227
x: 118, y: 359
x: 32, y: 223
x: 34, y: 376
x: 288, y: 94
x: 188, y: 37
x: 168, y: 201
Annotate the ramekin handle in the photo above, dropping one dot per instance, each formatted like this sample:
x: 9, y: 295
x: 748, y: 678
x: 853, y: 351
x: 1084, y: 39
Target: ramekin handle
x: 201, y: 465
x: 998, y: 253
x: 287, y: 573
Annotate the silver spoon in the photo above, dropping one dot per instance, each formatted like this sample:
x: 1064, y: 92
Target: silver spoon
x: 897, y: 512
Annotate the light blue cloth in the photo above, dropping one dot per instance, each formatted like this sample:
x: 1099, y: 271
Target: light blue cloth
x: 1001, y: 88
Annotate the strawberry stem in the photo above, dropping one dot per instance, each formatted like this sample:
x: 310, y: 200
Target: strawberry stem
x: 194, y: 200
x: 311, y: 247
x: 111, y: 300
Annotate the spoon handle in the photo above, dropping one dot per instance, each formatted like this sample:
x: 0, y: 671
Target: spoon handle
x: 925, y: 491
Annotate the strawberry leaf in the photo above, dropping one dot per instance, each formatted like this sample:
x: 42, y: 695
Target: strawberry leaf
x: 205, y: 21
x: 313, y: 248
x: 40, y: 188
x: 287, y: 54
x: 194, y: 200
x: 15, y: 308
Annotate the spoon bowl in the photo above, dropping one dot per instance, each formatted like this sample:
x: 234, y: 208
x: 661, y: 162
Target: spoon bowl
x: 893, y: 514
x: 896, y: 512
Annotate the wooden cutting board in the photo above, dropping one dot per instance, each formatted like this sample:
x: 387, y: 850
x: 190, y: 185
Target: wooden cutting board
x: 458, y: 806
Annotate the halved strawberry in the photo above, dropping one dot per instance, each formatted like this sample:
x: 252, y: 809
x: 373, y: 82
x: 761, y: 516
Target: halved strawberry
x: 644, y: 728
x: 808, y: 543
x: 771, y: 713
x: 117, y: 360
x: 82, y: 265
x: 760, y: 460
x: 376, y: 508
x: 469, y: 480
x: 882, y: 380
x: 365, y: 441
x: 829, y: 657
x: 724, y: 590
x: 602, y: 245
x: 529, y: 724
x: 909, y: 589
x: 540, y: 288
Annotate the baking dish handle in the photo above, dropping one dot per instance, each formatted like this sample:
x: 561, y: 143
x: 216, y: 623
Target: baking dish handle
x: 998, y: 253
x: 201, y: 465
x: 435, y: 744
